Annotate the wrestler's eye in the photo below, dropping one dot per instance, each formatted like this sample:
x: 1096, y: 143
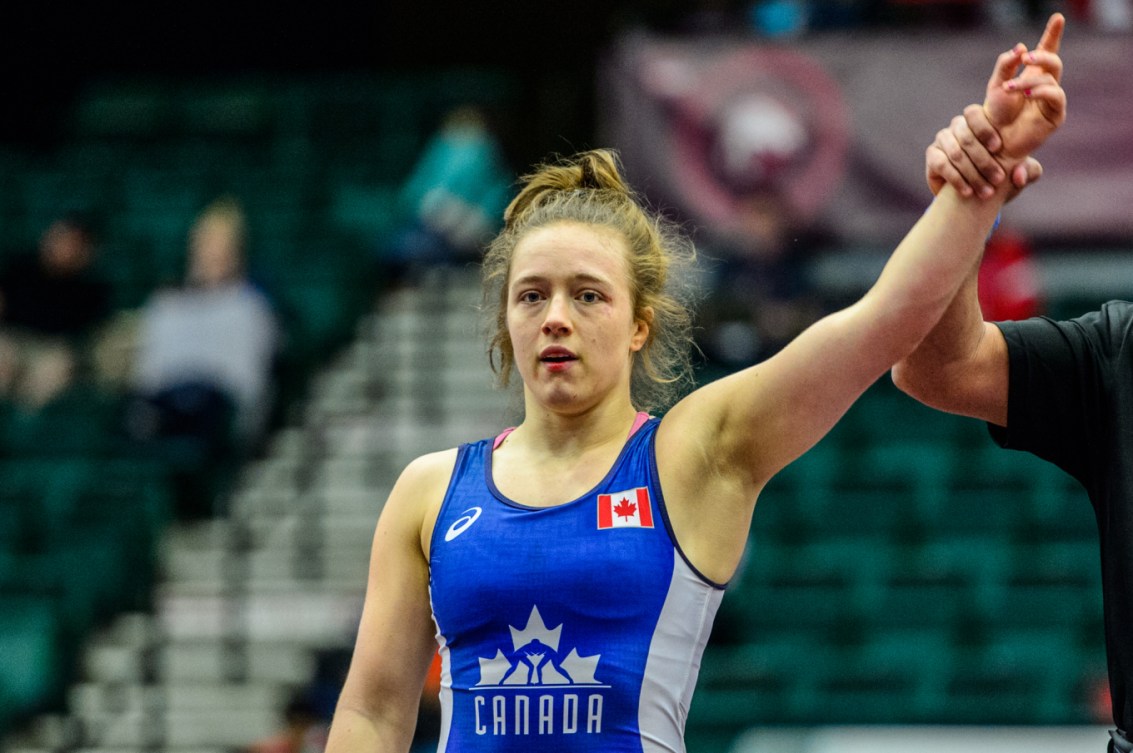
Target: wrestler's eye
x: 589, y: 296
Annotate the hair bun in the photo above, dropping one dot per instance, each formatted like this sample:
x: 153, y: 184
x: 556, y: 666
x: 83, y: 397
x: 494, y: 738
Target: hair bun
x: 594, y: 170
x: 601, y: 169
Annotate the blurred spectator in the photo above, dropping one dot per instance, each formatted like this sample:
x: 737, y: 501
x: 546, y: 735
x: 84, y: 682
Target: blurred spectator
x: 202, y: 377
x: 760, y: 293
x: 449, y: 204
x: 213, y: 341
x: 49, y: 305
x: 779, y: 19
x: 1009, y: 283
x: 304, y: 730
x: 705, y: 17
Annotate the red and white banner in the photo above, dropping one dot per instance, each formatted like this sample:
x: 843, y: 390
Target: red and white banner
x: 841, y: 122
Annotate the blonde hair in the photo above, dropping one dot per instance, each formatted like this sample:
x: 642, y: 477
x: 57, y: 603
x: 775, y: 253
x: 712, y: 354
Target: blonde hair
x: 589, y: 189
x: 229, y: 211
x: 205, y: 265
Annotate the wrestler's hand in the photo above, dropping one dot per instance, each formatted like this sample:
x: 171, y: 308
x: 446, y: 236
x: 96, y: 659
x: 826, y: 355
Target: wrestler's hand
x: 959, y: 156
x: 1025, y: 109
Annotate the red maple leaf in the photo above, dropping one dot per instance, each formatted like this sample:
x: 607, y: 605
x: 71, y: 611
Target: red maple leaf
x: 625, y: 508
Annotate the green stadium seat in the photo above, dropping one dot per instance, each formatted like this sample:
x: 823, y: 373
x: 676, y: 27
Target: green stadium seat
x: 819, y: 598
x: 866, y: 694
x: 11, y: 522
x: 771, y: 678
x: 929, y: 649
x: 728, y: 711
x: 987, y: 463
x: 29, y: 656
x: 777, y: 515
x: 979, y: 559
x: 132, y: 502
x: 879, y: 488
x: 50, y: 190
x: 883, y: 413
x: 924, y: 599
x: 84, y: 532
x: 972, y: 511
x: 1059, y: 509
x: 44, y: 492
x: 131, y: 270
x: 1022, y: 676
x: 122, y: 110
x: 366, y: 211
x: 76, y: 423
x: 868, y: 562
x: 867, y: 510
x: 238, y: 110
x: 1049, y: 584
x: 807, y: 481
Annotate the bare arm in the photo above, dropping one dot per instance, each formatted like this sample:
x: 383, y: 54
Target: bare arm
x: 772, y: 413
x: 720, y: 445
x: 377, y: 710
x: 962, y: 366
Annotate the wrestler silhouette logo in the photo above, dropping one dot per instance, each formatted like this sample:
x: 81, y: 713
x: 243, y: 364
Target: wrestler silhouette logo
x: 535, y: 656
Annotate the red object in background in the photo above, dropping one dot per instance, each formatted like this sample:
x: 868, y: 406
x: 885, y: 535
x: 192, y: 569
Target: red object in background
x: 1080, y: 10
x: 1100, y: 701
x: 1009, y: 286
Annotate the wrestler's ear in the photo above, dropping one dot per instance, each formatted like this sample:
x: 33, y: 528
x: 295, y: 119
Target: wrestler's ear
x: 643, y: 328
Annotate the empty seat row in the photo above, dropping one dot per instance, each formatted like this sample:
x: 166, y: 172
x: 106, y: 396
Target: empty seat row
x: 904, y: 676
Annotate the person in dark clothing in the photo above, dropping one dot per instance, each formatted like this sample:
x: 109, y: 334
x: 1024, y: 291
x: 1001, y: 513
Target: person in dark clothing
x: 49, y: 304
x: 1060, y: 390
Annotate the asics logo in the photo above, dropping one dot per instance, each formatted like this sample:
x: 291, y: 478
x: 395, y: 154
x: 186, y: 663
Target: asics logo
x: 463, y: 523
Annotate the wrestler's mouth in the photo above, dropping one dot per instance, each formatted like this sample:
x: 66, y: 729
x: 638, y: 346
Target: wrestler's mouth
x: 557, y: 355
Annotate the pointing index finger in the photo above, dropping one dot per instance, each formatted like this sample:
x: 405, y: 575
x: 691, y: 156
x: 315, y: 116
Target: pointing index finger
x: 1052, y: 35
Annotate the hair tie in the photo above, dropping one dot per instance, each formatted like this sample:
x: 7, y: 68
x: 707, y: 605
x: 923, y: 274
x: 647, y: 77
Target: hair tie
x: 589, y: 178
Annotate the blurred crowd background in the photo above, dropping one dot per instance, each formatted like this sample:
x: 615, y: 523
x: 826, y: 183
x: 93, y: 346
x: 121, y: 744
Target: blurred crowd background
x: 203, y: 210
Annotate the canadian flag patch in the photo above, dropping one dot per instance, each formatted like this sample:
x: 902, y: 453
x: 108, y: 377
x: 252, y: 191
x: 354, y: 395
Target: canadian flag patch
x: 628, y: 509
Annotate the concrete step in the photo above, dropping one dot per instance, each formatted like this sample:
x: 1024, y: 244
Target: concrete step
x: 315, y: 617
x: 206, y: 728
x: 287, y: 570
x: 53, y: 733
x: 275, y: 475
x: 93, y: 699
x: 199, y: 661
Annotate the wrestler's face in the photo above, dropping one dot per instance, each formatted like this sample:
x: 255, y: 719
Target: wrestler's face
x: 570, y: 315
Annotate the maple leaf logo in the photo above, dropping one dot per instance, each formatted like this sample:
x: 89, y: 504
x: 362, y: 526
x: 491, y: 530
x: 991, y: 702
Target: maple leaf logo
x: 625, y: 508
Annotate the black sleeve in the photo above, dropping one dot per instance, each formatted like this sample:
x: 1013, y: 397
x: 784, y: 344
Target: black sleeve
x: 1058, y: 393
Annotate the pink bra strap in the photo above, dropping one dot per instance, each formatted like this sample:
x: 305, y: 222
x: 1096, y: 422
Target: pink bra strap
x: 500, y: 439
x: 638, y: 422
